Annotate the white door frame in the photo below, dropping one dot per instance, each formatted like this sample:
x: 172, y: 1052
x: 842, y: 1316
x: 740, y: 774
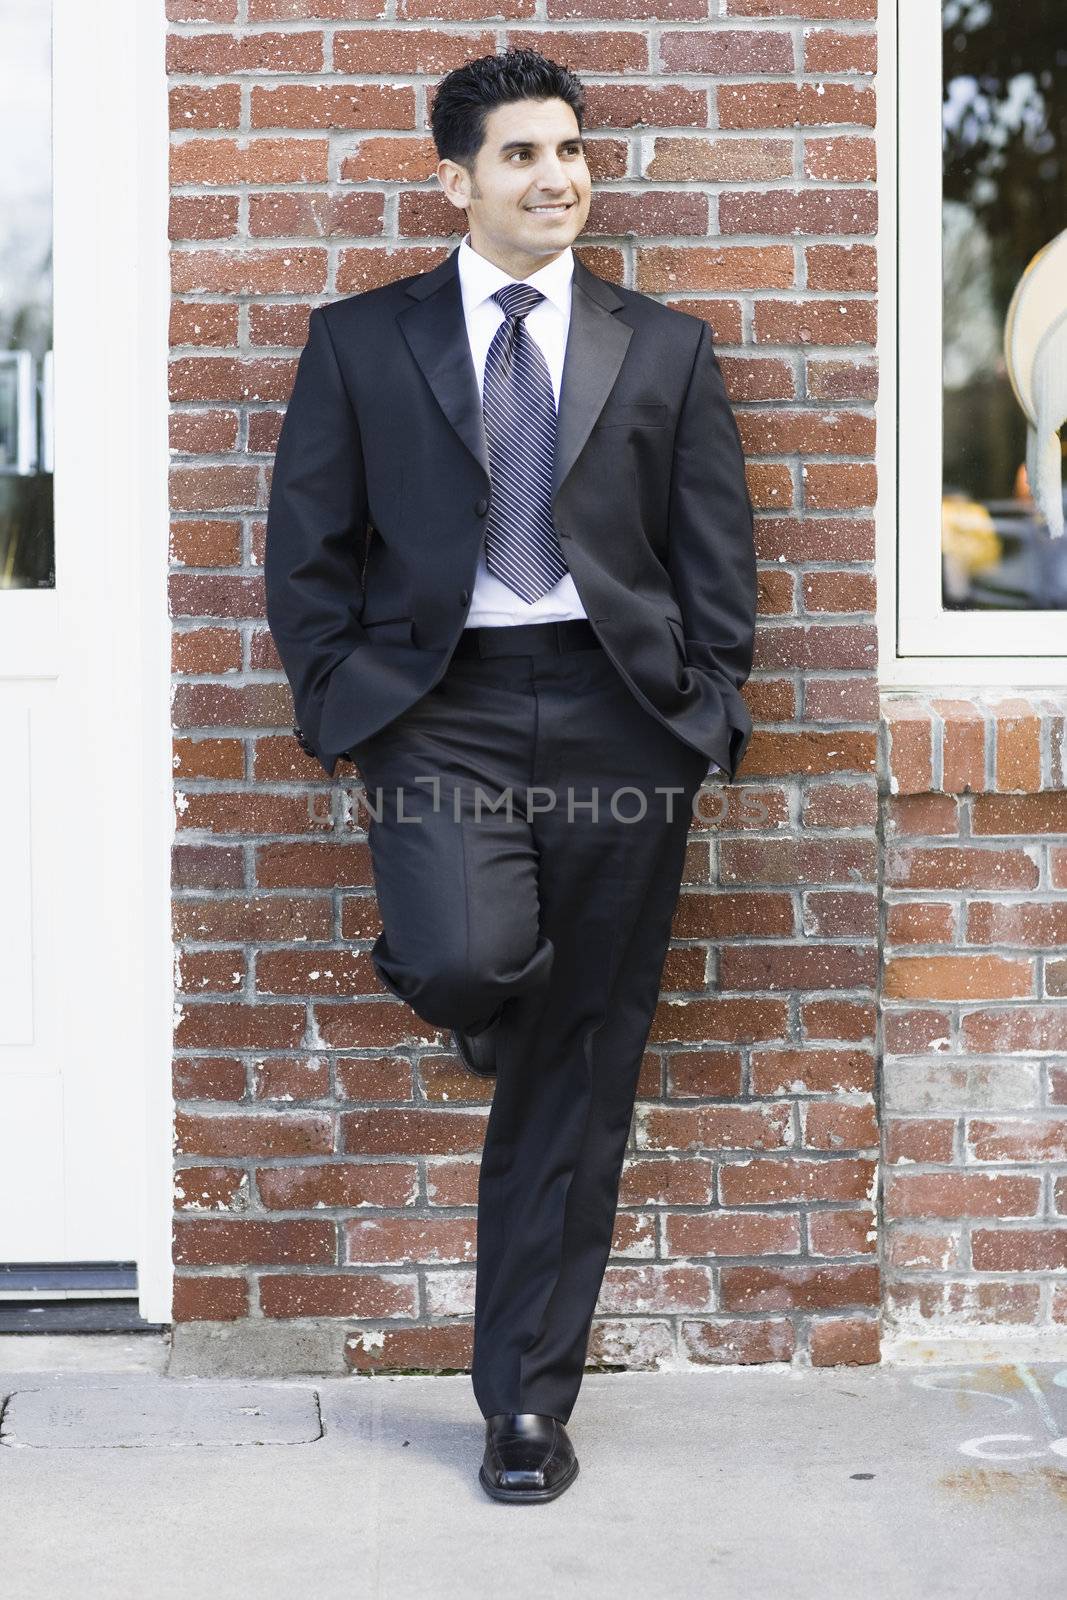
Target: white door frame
x: 110, y: 186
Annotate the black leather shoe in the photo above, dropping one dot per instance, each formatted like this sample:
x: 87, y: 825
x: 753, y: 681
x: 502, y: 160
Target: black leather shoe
x: 528, y: 1457
x: 478, y: 1050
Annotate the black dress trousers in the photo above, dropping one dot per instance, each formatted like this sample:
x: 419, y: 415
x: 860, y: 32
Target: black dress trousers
x: 527, y: 858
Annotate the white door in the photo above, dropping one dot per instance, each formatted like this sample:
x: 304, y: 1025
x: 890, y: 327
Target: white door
x: 84, y: 724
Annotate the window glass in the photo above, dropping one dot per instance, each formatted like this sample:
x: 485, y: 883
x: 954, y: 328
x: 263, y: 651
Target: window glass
x: 27, y: 544
x: 1004, y: 302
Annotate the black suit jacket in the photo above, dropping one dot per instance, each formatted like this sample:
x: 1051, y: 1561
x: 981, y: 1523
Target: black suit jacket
x: 381, y: 485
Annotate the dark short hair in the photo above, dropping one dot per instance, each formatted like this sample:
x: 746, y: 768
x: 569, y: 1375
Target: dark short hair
x: 465, y: 97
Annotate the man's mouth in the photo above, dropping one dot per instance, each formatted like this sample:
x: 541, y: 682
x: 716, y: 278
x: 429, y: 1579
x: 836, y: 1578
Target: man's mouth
x: 551, y: 210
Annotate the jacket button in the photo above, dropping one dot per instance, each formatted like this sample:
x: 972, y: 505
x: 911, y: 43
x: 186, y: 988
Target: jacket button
x: 481, y: 506
x: 464, y: 596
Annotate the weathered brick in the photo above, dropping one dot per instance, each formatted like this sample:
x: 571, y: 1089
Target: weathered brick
x: 961, y: 867
x: 208, y: 1299
x: 677, y: 1181
x: 768, y: 1180
x: 427, y: 1349
x: 840, y: 805
x: 811, y: 1071
x: 210, y: 1189
x: 842, y: 1233
x: 408, y: 1239
x: 288, y: 1133
x: 925, y: 1249
x: 922, y: 813
x: 1027, y: 813
x: 841, y: 914
x: 910, y: 735
x: 1021, y: 922
x: 963, y: 1303
x: 811, y: 1288
x: 354, y: 1294
x: 742, y: 1341
x: 209, y: 1242
x: 668, y: 270
x: 734, y: 160
x: 961, y: 1194
x: 964, y: 734
x: 832, y: 50
x: 841, y: 1021
x: 785, y: 105
x: 840, y: 1125
x: 430, y: 1132
x: 923, y: 1139
x: 800, y: 322
x: 1034, y: 1027
x: 1019, y: 1249
x: 733, y: 1233
x: 844, y: 1341
x: 1019, y: 1139
x: 963, y: 977
x: 640, y: 1290
x: 921, y: 922
x: 813, y: 10
x: 753, y: 1127
x: 807, y: 966
x: 1018, y: 746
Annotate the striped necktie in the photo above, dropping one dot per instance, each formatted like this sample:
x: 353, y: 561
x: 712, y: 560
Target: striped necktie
x: 521, y: 545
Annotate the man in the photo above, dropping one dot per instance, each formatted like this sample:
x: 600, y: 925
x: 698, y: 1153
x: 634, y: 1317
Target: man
x: 510, y: 573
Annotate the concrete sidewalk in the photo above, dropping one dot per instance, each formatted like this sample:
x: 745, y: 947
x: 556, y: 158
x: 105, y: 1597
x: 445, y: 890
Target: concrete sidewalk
x: 881, y: 1483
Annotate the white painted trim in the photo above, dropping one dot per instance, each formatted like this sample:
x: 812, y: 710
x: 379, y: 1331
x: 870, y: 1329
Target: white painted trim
x: 885, y: 512
x: 919, y: 643
x: 110, y: 162
x: 29, y: 638
x: 149, y: 121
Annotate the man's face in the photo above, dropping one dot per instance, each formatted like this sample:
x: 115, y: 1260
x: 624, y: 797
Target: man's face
x: 528, y: 196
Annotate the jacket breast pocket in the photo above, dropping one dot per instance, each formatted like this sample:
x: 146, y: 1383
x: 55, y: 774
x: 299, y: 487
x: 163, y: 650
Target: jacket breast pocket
x: 630, y: 413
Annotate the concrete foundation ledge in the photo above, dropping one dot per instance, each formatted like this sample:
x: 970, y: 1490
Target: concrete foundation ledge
x: 984, y: 1346
x: 251, y: 1349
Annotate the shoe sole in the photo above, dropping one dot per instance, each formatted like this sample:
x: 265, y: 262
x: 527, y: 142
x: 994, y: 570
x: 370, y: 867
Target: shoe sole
x: 517, y: 1496
x: 478, y: 1072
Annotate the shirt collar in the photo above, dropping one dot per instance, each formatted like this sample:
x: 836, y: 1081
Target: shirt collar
x: 480, y: 278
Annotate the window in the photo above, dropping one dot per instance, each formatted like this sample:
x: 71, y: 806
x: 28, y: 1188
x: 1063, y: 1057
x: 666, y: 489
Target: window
x: 27, y: 542
x: 982, y: 332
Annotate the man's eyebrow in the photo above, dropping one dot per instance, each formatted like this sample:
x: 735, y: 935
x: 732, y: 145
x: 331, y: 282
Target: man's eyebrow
x: 531, y: 144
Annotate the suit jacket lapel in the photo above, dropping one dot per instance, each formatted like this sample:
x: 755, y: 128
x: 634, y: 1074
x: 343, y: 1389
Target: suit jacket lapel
x: 436, y: 333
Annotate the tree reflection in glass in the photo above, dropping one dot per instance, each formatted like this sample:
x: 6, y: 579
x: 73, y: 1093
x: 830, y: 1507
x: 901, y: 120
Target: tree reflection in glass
x: 1004, y: 136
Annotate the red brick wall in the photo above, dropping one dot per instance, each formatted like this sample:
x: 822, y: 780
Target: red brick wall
x: 975, y: 1011
x: 327, y: 1141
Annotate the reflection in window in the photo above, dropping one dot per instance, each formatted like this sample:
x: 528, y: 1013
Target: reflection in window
x: 1004, y: 253
x: 27, y: 544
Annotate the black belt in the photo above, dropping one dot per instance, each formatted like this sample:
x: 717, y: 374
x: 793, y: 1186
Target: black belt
x: 528, y: 638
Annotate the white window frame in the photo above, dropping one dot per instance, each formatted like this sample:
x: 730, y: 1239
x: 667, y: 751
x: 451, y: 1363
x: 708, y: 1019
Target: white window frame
x: 920, y: 643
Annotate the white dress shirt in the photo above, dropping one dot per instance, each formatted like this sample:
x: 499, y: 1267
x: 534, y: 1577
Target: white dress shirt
x: 493, y: 604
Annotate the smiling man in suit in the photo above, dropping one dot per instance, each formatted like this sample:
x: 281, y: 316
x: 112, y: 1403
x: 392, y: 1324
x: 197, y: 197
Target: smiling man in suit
x: 510, y: 573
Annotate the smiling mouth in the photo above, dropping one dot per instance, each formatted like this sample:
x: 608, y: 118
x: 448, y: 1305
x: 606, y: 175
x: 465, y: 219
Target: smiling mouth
x: 551, y: 211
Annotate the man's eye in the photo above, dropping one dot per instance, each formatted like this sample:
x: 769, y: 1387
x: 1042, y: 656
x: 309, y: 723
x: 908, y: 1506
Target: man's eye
x: 573, y: 149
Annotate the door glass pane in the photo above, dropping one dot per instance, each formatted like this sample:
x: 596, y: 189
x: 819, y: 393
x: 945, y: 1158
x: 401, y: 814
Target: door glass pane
x: 1004, y: 299
x: 27, y: 543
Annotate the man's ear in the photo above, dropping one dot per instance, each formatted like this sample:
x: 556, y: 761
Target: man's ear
x: 453, y: 173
